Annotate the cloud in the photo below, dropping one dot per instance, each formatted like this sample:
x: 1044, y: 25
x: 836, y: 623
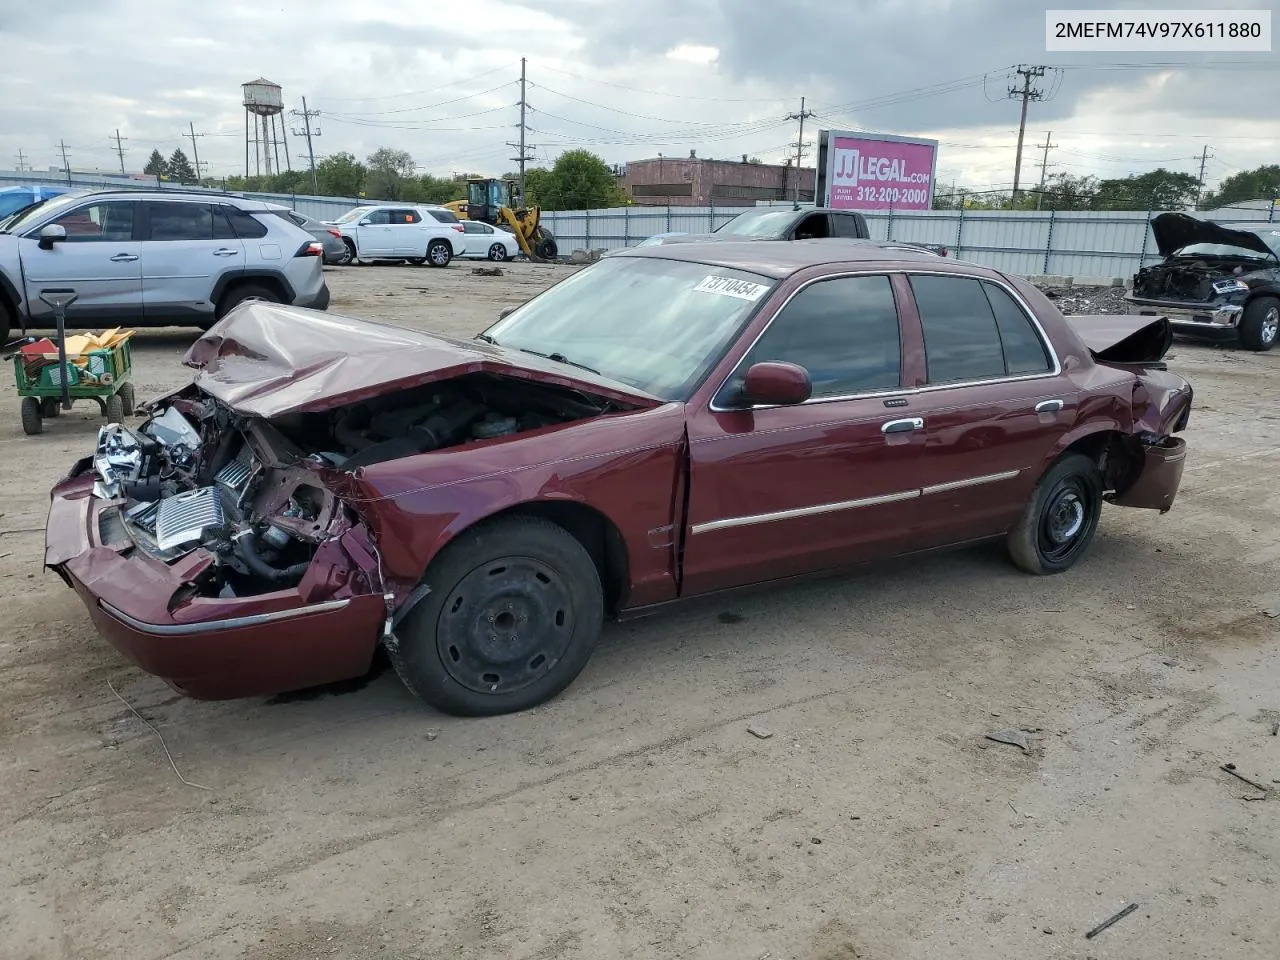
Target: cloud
x: 624, y: 80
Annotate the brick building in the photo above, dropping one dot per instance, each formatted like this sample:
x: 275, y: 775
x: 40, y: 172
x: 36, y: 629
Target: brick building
x: 693, y: 182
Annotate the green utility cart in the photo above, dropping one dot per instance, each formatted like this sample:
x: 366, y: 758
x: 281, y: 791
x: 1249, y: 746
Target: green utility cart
x: 47, y: 387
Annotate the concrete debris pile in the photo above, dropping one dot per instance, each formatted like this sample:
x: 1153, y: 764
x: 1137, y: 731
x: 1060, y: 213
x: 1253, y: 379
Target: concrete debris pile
x: 1072, y: 298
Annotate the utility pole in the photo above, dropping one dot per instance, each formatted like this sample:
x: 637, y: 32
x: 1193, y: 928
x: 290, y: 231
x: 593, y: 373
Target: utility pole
x: 1205, y: 157
x: 195, y: 151
x: 307, y: 132
x: 119, y: 148
x: 66, y: 164
x: 801, y: 116
x: 22, y: 162
x: 522, y: 148
x: 1027, y: 93
x: 1044, y: 164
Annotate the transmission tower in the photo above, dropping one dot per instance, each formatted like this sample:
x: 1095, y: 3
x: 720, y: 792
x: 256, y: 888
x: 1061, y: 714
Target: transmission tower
x: 523, y: 148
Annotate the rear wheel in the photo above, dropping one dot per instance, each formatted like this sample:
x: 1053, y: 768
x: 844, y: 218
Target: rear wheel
x: 50, y: 407
x: 498, y: 251
x: 128, y: 399
x: 1260, y: 324
x: 239, y: 295
x: 1061, y: 517
x: 439, y: 253
x: 6, y: 322
x: 514, y: 616
x: 114, y: 409
x: 31, y: 422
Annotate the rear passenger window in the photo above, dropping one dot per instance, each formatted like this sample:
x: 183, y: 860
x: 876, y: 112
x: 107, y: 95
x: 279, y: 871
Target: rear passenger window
x: 846, y: 225
x: 246, y: 225
x: 405, y: 216
x: 843, y: 331
x: 1024, y: 351
x: 181, y: 221
x: 961, y: 341
x: 443, y: 216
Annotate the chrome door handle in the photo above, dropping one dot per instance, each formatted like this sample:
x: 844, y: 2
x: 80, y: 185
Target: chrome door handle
x: 903, y: 426
x: 1048, y: 406
x: 124, y: 258
x: 225, y: 252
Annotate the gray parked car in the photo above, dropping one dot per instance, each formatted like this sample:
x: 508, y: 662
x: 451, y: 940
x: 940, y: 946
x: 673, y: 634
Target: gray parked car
x: 146, y: 258
x: 335, y: 251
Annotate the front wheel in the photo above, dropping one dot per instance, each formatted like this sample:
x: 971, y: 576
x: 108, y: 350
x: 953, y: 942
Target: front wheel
x: 242, y: 294
x: 1260, y: 324
x: 1061, y: 517
x: 439, y: 253
x: 513, y: 616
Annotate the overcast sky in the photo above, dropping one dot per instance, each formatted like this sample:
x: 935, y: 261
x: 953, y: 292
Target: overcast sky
x: 625, y: 79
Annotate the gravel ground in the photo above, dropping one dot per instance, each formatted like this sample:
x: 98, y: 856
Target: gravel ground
x: 636, y: 816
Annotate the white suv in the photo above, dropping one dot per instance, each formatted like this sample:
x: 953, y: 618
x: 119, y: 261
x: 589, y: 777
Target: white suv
x: 412, y: 232
x: 153, y: 258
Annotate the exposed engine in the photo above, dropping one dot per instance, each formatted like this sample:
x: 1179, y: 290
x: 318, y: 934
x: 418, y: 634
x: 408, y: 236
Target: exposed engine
x: 252, y: 493
x: 1186, y: 279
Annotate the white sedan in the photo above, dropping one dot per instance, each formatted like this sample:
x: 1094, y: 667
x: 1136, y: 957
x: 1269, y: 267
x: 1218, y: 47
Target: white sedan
x: 486, y: 242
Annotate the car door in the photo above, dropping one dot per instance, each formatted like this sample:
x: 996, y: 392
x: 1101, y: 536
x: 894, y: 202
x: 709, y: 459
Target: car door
x: 477, y: 237
x: 994, y: 400
x: 99, y: 260
x: 405, y: 230
x: 786, y: 490
x: 373, y: 234
x: 186, y: 249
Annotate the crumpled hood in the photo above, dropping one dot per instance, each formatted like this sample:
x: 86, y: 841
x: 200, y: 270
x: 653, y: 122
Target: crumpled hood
x: 1173, y: 231
x: 267, y: 360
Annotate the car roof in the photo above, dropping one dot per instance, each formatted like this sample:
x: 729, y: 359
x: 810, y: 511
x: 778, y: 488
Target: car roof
x: 198, y: 196
x: 779, y: 260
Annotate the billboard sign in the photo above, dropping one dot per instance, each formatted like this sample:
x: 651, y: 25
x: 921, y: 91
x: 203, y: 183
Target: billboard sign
x: 875, y: 171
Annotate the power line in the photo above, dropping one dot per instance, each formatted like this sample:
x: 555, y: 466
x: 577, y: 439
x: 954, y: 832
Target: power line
x: 659, y: 93
x: 429, y: 106
x: 418, y: 93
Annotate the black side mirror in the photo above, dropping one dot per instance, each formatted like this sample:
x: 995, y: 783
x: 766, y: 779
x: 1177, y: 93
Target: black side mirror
x: 50, y: 234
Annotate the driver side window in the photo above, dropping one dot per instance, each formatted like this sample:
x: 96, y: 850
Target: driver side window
x: 379, y: 217
x: 844, y: 332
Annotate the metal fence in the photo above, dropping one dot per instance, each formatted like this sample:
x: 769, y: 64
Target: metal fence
x: 1075, y: 243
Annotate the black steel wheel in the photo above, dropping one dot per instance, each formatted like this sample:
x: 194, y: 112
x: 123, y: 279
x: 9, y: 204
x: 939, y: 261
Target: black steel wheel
x: 513, y: 616
x: 31, y: 422
x: 1061, y: 517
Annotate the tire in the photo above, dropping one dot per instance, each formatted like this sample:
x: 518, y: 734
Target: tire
x: 498, y: 252
x: 31, y: 422
x: 522, y: 571
x: 439, y: 253
x: 348, y: 254
x: 545, y: 246
x: 114, y: 409
x: 251, y: 291
x: 50, y: 407
x: 1060, y: 519
x: 351, y: 252
x: 128, y: 399
x: 1260, y: 324
x: 6, y: 323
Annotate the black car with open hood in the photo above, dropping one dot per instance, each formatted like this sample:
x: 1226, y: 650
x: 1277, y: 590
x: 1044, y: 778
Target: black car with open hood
x: 1215, y: 281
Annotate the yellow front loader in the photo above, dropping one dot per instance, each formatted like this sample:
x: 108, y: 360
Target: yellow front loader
x: 497, y: 202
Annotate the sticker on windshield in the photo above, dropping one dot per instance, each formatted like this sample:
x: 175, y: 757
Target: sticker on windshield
x: 729, y: 287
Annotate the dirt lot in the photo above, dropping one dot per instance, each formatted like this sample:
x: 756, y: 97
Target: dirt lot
x: 636, y: 816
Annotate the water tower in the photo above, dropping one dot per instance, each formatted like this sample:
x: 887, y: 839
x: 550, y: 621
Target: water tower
x: 264, y: 128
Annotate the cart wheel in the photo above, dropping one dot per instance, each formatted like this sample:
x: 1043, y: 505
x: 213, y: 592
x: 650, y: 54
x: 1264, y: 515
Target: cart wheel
x: 31, y: 422
x: 115, y: 409
x: 127, y: 398
x: 50, y: 407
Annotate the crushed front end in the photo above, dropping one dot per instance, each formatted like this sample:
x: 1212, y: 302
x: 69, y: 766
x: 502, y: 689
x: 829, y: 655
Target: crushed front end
x: 209, y: 549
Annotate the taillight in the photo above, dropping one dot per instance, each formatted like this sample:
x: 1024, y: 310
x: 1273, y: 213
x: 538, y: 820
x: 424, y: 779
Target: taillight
x: 313, y: 248
x: 334, y: 232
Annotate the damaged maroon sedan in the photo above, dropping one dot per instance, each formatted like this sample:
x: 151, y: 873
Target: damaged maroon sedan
x: 664, y: 424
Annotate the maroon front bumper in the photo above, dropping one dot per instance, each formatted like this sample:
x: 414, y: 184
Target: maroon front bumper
x: 324, y: 629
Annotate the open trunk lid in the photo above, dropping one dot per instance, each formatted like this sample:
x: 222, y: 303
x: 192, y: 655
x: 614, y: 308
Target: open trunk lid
x: 1123, y: 338
x: 268, y: 360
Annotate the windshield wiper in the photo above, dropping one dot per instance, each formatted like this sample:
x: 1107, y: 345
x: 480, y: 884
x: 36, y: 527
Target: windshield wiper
x: 485, y: 338
x: 560, y: 358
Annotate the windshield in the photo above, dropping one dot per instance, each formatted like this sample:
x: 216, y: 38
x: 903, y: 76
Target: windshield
x: 658, y: 325
x: 21, y: 219
x: 757, y: 223
x: 351, y: 215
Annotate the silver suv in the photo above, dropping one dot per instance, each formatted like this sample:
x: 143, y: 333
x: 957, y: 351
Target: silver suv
x: 147, y: 258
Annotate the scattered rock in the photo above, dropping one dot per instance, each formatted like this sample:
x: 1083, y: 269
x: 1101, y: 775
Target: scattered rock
x: 1015, y: 738
x: 432, y: 734
x: 815, y: 840
x: 759, y: 732
x: 486, y: 271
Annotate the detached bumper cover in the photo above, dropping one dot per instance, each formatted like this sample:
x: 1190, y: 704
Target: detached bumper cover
x: 1158, y: 478
x: 212, y: 648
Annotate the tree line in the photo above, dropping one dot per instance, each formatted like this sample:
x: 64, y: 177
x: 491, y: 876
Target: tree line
x: 1158, y: 189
